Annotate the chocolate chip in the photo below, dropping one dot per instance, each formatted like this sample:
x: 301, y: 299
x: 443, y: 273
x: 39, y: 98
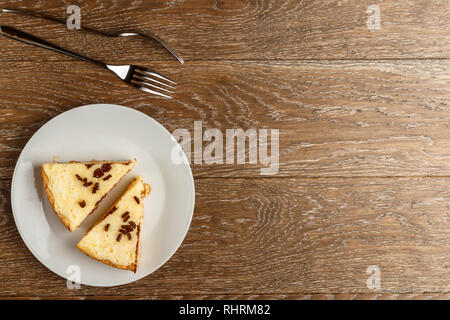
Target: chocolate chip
x: 82, y: 203
x: 123, y: 231
x: 125, y: 214
x: 132, y: 224
x: 87, y: 184
x: 79, y: 178
x: 127, y: 228
x: 137, y: 199
x: 98, y: 173
x: 119, y: 237
x: 106, y: 167
x: 129, y: 236
x: 112, y: 210
x: 88, y: 165
x: 107, y: 177
x: 106, y: 227
x: 126, y: 218
x: 95, y: 188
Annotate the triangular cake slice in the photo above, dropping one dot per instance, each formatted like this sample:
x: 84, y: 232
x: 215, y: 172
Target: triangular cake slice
x: 115, y: 238
x: 74, y: 189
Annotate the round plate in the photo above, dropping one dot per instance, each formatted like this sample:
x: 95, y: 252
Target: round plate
x: 104, y: 132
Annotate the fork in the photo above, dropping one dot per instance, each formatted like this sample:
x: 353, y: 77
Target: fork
x: 139, y: 77
x: 146, y: 35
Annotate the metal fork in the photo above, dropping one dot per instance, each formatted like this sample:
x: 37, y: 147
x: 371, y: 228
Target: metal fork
x: 146, y: 35
x: 141, y: 78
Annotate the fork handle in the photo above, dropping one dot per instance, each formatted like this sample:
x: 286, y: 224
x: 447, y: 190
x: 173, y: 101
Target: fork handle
x: 21, y: 36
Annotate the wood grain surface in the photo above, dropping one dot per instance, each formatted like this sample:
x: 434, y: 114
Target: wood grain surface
x: 346, y: 118
x: 246, y: 29
x: 364, y: 147
x: 283, y: 236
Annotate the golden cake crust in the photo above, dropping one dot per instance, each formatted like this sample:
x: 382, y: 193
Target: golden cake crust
x: 51, y: 199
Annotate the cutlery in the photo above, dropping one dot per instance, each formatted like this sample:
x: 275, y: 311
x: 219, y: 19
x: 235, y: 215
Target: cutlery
x: 141, y: 78
x: 147, y: 35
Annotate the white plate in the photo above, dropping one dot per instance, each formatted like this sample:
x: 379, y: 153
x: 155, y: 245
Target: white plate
x: 104, y: 132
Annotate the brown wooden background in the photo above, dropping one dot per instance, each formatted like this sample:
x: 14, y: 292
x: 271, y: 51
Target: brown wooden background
x: 364, y: 122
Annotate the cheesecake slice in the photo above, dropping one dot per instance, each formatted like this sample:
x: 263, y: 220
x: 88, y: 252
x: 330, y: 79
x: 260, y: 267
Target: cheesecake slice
x: 114, y: 239
x: 74, y: 189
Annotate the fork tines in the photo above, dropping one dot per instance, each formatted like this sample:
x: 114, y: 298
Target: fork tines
x: 152, y: 82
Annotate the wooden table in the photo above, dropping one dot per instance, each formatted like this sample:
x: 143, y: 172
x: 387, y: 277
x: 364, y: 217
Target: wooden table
x: 364, y: 122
